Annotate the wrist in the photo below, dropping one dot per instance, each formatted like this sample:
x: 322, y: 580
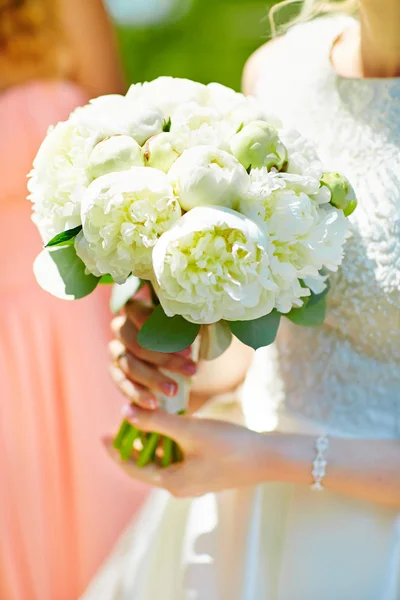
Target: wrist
x: 286, y: 458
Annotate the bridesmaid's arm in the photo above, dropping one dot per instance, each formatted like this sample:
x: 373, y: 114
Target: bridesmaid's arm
x: 98, y: 69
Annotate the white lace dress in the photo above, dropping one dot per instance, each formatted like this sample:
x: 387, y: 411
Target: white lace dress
x: 281, y: 541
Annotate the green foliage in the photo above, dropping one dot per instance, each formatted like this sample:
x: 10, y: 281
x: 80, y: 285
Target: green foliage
x: 257, y: 333
x: 167, y: 334
x: 61, y: 272
x: 64, y: 237
x: 167, y: 125
x: 211, y: 42
x: 312, y: 313
x: 106, y: 280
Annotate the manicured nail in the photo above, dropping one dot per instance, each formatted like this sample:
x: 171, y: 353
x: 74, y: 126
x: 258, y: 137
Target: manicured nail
x: 151, y: 402
x: 169, y: 389
x: 129, y: 413
x: 189, y: 368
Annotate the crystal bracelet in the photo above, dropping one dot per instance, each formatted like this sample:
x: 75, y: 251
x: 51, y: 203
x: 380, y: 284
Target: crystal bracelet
x: 319, y: 464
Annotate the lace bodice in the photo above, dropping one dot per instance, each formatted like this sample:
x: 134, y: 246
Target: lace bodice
x: 344, y: 375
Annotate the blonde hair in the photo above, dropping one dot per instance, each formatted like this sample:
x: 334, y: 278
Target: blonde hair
x: 309, y: 10
x: 32, y: 41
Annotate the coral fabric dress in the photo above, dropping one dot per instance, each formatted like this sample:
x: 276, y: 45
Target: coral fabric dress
x: 62, y: 501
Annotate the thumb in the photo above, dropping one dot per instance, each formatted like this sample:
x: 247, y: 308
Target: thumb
x: 177, y: 427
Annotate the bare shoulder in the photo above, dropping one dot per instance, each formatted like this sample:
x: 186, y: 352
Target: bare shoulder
x: 258, y: 60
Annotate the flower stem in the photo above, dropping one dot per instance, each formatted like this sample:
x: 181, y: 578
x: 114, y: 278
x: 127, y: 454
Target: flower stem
x: 177, y: 454
x: 168, y: 445
x: 126, y: 447
x: 149, y: 450
x: 122, y: 431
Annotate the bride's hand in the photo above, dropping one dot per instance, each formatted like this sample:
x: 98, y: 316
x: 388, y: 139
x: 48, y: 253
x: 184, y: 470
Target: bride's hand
x: 217, y: 455
x: 136, y: 371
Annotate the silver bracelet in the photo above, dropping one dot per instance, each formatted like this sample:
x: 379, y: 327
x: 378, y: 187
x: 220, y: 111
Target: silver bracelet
x: 319, y: 464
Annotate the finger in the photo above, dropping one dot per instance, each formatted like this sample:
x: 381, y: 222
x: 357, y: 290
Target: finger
x: 152, y: 474
x: 135, y: 392
x: 127, y: 333
x: 178, y: 427
x: 141, y: 372
x: 138, y: 311
x: 186, y: 352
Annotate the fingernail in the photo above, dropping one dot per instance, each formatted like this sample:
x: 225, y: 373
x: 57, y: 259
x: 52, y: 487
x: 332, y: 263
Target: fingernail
x: 169, y: 389
x: 189, y: 368
x: 151, y: 402
x: 129, y: 413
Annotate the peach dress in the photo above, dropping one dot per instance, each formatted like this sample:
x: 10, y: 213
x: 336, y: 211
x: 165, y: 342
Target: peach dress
x: 62, y: 501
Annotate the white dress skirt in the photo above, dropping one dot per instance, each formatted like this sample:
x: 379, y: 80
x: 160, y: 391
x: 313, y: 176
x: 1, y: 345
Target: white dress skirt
x: 280, y: 541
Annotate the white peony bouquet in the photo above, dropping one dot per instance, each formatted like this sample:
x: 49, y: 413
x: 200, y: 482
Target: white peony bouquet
x: 193, y: 188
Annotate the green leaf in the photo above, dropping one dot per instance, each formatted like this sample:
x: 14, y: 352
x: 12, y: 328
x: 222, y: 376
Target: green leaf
x: 248, y: 169
x: 312, y: 314
x: 215, y: 339
x: 61, y: 272
x: 167, y: 125
x: 315, y: 298
x: 64, y: 237
x: 259, y: 332
x: 167, y: 334
x: 123, y: 292
x: 106, y: 280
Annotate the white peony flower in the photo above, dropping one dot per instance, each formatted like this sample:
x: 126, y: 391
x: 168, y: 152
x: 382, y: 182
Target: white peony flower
x: 60, y: 177
x: 123, y: 215
x: 302, y: 157
x: 306, y: 236
x: 162, y: 150
x: 290, y: 291
x: 238, y: 109
x: 258, y: 145
x: 169, y: 93
x: 117, y: 153
x: 206, y: 176
x: 202, y: 126
x: 193, y: 116
x: 212, y: 265
x: 114, y: 114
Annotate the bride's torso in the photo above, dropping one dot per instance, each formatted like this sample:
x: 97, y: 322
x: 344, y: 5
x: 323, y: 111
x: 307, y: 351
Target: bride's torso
x: 344, y: 375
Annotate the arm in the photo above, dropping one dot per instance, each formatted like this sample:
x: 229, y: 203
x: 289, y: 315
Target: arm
x: 364, y: 469
x: 94, y: 48
x: 221, y: 456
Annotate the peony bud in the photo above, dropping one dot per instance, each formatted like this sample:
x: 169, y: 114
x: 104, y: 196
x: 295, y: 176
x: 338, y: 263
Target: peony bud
x: 117, y: 153
x: 258, y: 145
x: 162, y: 150
x: 342, y: 193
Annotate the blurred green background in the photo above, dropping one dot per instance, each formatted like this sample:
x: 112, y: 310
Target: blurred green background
x: 205, y: 40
